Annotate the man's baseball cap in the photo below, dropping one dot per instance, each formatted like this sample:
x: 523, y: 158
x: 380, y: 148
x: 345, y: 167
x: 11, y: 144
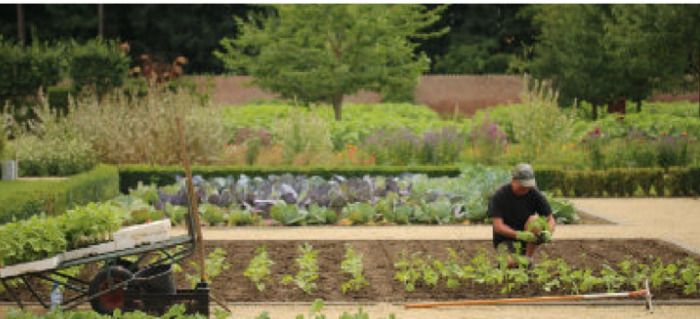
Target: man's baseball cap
x: 524, y: 174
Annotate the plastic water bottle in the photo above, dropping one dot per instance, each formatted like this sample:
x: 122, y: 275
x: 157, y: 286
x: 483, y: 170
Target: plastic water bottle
x: 56, y: 296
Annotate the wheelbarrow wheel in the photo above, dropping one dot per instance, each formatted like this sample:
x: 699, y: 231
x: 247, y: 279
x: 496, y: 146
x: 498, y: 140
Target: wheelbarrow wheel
x: 112, y: 299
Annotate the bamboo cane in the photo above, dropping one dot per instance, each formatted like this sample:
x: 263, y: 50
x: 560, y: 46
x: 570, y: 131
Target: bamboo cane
x: 192, y: 199
x: 645, y: 293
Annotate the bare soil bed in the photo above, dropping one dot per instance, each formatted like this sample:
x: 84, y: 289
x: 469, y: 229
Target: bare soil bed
x: 379, y: 259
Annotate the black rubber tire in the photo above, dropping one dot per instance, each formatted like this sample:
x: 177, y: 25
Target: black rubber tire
x: 107, y: 303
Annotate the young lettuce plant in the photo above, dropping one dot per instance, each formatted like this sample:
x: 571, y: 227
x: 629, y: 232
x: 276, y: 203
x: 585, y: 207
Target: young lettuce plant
x: 635, y: 272
x: 353, y: 266
x: 215, y: 264
x: 407, y: 270
x: 690, y: 277
x: 451, y: 270
x: 611, y: 278
x: 429, y: 275
x: 258, y: 270
x: 307, y: 274
x: 661, y: 273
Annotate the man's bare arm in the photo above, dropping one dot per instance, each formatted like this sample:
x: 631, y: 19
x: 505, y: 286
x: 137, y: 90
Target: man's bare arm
x: 499, y: 227
x: 552, y: 222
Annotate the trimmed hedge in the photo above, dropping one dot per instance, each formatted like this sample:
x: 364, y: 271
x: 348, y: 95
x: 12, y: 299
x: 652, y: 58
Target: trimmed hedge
x: 131, y: 175
x: 621, y: 182
x: 99, y: 64
x: 23, y: 199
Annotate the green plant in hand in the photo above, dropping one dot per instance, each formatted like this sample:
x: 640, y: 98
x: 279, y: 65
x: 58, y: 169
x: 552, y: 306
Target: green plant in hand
x: 258, y: 270
x: 526, y: 236
x: 307, y: 275
x: 353, y: 266
x: 540, y: 227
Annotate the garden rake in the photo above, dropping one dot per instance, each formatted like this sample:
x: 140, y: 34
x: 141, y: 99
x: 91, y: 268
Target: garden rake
x: 643, y: 293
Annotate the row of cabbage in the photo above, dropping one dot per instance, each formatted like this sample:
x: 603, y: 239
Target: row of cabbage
x: 300, y: 200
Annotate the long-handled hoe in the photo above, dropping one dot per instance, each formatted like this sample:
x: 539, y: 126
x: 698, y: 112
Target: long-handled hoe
x: 643, y: 293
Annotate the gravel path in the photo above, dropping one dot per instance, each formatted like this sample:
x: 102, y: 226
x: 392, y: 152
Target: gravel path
x: 672, y: 219
x: 381, y: 311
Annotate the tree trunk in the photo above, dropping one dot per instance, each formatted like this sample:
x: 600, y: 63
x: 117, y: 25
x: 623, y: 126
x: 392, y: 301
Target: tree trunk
x: 338, y: 106
x: 639, y: 106
x: 101, y: 20
x: 20, y: 25
x: 595, y: 112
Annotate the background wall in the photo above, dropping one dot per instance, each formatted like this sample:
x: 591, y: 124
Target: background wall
x: 443, y: 93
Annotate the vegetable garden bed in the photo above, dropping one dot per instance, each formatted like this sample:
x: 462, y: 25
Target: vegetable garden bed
x: 381, y: 262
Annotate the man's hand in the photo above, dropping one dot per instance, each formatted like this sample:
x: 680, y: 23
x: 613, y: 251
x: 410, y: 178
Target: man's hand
x: 544, y: 237
x: 526, y: 236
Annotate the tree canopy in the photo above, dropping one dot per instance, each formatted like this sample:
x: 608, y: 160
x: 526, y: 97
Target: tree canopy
x: 319, y: 53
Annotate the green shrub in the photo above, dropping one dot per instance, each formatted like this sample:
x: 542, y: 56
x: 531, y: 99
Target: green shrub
x: 22, y: 199
x: 621, y: 182
x: 23, y: 70
x: 100, y: 65
x: 122, y: 129
x: 54, y: 155
x: 131, y: 175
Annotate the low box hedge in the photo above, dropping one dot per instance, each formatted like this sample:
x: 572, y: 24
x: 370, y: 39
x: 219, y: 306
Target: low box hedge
x: 621, y: 182
x: 131, y: 175
x: 23, y: 198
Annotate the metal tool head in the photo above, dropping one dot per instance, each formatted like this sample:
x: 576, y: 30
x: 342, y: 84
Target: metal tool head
x: 648, y: 296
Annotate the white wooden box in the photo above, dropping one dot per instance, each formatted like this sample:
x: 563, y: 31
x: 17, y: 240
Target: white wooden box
x: 90, y: 251
x: 33, y: 266
x: 138, y: 231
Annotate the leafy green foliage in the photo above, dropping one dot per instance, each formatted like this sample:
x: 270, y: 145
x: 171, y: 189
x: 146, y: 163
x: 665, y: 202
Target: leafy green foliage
x: 24, y: 70
x: 509, y: 273
x: 212, y: 214
x: 408, y: 270
x: 307, y: 273
x: 327, y: 65
x: 239, y: 217
x: 582, y: 68
x: 31, y: 239
x: 91, y: 224
x: 258, y: 270
x: 360, y: 120
x: 22, y: 199
x: 288, y: 214
x: 215, y: 263
x: 304, y: 138
x: 98, y: 64
x: 359, y: 213
x: 42, y: 237
x: 352, y: 265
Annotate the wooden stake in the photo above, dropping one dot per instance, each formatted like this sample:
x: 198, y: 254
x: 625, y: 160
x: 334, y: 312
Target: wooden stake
x: 192, y: 199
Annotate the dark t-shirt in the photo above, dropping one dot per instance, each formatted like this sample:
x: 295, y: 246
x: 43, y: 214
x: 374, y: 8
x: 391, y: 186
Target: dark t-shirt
x: 515, y: 210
